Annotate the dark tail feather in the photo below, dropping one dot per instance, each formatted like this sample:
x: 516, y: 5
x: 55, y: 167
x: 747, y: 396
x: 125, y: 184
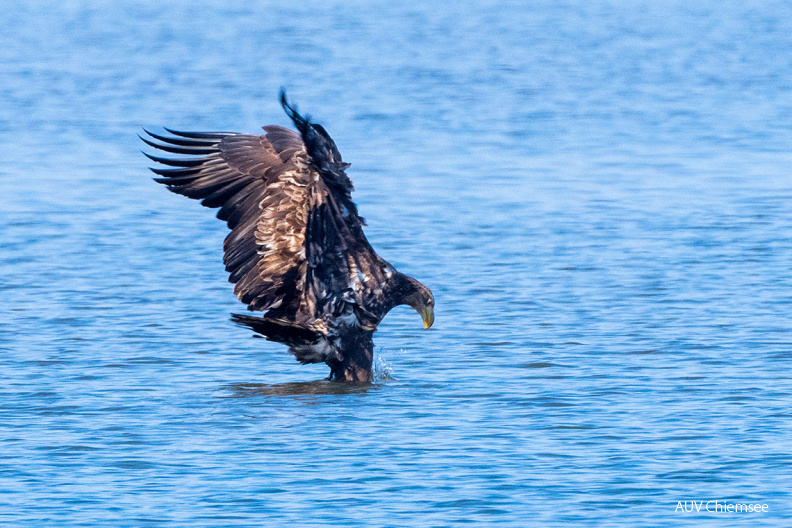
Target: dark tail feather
x: 285, y: 332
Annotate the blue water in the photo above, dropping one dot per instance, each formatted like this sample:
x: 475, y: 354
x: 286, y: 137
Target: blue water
x: 598, y: 193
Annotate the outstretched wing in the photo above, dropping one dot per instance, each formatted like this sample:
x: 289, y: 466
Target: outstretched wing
x: 296, y: 246
x: 242, y: 175
x: 344, y: 273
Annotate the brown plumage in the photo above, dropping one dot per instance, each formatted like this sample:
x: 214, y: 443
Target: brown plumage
x: 296, y: 248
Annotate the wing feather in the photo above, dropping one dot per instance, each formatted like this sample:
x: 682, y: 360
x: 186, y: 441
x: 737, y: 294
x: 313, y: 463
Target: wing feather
x: 236, y: 174
x: 296, y: 246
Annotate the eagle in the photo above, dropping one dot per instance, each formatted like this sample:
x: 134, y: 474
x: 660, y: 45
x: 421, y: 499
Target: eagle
x: 296, y: 249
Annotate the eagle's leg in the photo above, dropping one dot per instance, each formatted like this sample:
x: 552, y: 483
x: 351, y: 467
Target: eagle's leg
x: 353, y: 362
x: 351, y: 370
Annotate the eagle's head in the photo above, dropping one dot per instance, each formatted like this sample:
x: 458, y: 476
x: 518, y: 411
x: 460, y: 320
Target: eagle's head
x: 420, y: 299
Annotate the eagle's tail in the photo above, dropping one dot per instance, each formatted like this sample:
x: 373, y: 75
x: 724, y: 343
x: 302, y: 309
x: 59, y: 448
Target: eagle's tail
x: 307, y: 345
x: 278, y: 330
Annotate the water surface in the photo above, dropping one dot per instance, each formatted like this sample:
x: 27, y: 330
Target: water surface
x: 599, y: 196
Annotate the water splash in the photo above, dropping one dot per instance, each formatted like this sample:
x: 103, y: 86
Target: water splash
x: 383, y: 371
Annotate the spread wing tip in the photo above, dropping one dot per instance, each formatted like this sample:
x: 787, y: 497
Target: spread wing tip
x: 195, y: 150
x: 198, y: 135
x: 184, y: 162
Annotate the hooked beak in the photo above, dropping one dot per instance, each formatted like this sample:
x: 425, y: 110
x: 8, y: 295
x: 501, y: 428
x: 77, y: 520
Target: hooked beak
x: 427, y: 314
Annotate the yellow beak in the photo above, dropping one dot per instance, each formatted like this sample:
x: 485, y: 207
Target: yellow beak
x: 427, y: 314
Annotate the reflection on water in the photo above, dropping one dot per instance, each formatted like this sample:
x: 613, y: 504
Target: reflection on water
x: 323, y: 387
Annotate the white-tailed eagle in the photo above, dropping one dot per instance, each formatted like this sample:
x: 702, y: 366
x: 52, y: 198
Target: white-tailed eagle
x: 296, y: 248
